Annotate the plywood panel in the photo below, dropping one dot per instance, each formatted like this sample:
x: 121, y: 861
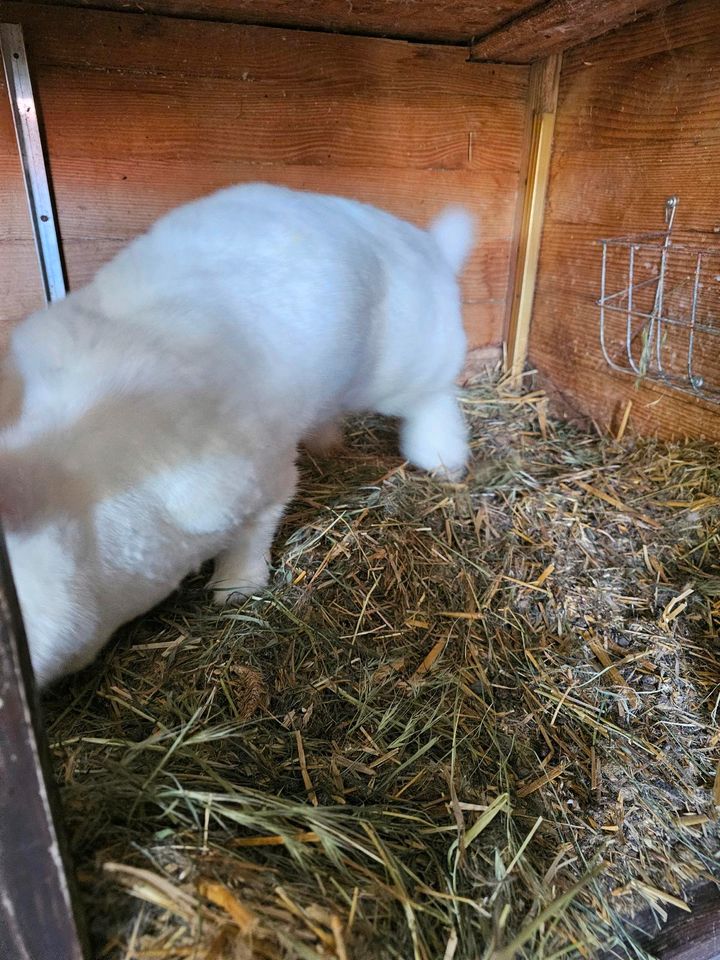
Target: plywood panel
x: 638, y: 121
x: 446, y: 20
x: 143, y: 113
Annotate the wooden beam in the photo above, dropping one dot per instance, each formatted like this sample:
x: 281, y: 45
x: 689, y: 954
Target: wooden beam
x: 556, y: 25
x: 542, y: 103
x: 448, y: 21
x: 37, y: 921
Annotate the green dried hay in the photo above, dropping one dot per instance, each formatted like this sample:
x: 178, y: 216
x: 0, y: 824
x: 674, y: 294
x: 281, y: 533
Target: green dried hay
x: 468, y: 721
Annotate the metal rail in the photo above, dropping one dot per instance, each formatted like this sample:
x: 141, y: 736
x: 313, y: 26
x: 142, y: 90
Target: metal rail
x: 35, y: 175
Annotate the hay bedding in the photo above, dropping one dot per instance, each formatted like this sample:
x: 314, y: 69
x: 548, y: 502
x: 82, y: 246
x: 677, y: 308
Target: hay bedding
x: 468, y: 721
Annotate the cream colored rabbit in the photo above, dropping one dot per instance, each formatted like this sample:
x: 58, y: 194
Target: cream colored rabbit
x: 150, y: 421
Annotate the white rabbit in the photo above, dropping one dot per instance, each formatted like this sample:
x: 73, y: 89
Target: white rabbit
x: 150, y: 421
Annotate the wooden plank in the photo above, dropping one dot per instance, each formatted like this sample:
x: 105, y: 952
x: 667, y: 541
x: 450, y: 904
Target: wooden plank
x: 483, y: 324
x: 37, y: 921
x: 693, y: 937
x: 20, y: 285
x: 142, y: 114
x: 556, y: 25
x: 681, y: 936
x: 311, y: 65
x: 641, y: 120
x: 262, y: 126
x: 681, y: 25
x: 659, y: 166
x: 453, y: 21
x: 637, y: 121
x: 137, y: 192
x: 542, y: 102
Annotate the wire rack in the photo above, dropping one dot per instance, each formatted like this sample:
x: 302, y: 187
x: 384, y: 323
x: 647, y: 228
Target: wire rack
x: 660, y: 307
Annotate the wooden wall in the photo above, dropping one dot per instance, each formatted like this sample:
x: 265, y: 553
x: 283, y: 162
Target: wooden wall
x: 142, y: 113
x: 455, y: 21
x: 638, y: 120
x: 20, y: 285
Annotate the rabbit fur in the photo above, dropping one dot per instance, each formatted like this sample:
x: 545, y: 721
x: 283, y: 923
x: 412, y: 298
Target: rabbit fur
x: 150, y: 421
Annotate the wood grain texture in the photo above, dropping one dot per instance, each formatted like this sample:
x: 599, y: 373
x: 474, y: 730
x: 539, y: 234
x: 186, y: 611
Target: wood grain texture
x: 36, y: 917
x: 142, y: 114
x: 312, y: 64
x: 556, y: 25
x: 681, y: 935
x: 541, y: 107
x: 452, y: 21
x: 693, y: 937
x: 20, y: 285
x: 638, y: 120
x: 224, y: 120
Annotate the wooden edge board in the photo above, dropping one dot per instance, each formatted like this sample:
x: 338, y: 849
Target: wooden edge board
x: 37, y: 918
x: 681, y: 935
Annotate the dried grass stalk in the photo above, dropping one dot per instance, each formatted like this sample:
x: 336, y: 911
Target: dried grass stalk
x: 471, y: 720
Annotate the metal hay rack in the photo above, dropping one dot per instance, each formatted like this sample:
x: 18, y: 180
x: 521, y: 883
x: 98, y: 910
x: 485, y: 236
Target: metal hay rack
x: 660, y: 307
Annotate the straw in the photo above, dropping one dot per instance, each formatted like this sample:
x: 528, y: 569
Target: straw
x: 467, y: 720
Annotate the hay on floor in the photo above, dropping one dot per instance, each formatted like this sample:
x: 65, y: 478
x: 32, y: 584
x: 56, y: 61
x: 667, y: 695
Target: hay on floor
x: 472, y: 720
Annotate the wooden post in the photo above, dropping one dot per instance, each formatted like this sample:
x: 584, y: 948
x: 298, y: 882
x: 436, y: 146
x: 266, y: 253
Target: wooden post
x: 37, y: 921
x: 542, y: 103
